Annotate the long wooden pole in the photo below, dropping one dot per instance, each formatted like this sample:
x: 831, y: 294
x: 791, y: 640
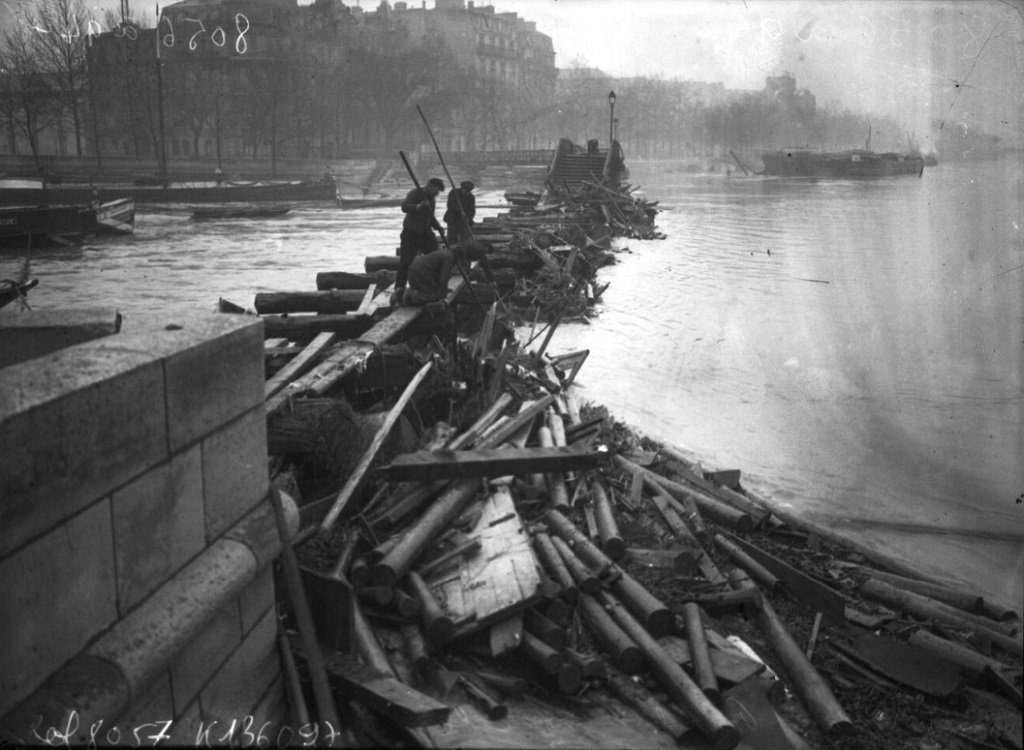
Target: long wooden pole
x: 357, y: 475
x: 325, y: 708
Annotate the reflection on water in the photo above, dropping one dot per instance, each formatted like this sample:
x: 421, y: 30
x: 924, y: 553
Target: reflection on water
x: 854, y: 347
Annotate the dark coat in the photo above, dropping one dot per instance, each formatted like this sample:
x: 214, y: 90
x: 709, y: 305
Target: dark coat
x: 419, y: 218
x: 456, y: 197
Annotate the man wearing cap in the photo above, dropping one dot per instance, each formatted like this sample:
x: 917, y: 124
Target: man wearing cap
x: 417, y: 230
x: 460, y: 213
x: 429, y: 274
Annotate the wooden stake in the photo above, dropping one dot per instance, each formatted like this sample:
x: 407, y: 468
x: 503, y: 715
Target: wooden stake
x: 703, y: 671
x: 325, y: 708
x: 357, y: 475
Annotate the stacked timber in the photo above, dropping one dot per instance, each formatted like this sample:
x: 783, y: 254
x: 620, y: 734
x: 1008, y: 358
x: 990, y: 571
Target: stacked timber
x: 474, y: 538
x: 515, y: 552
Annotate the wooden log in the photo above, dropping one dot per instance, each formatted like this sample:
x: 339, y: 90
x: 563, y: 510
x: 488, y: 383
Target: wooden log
x: 961, y: 599
x: 703, y: 671
x: 406, y: 606
x: 423, y: 466
x: 292, y: 681
x: 711, y: 722
x: 543, y: 628
x: 690, y: 513
x: 492, y: 707
x: 967, y: 658
x: 558, y: 494
x: 930, y: 609
x: 590, y: 666
x: 679, y: 529
x: 586, y: 580
x: 364, y: 463
x: 512, y: 686
x: 333, y: 301
x: 712, y: 507
x: 685, y: 473
x: 810, y: 591
x: 541, y: 653
x: 346, y: 326
x: 656, y: 616
x: 753, y: 568
x: 807, y: 681
x: 612, y: 543
x: 382, y: 595
x: 345, y: 280
x: 555, y: 566
x: 626, y: 655
x: 436, y: 624
x: 644, y: 703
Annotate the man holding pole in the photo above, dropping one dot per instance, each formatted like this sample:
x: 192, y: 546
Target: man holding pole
x: 417, y: 230
x: 461, y: 209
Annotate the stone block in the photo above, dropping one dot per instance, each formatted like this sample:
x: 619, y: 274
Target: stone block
x: 215, y: 379
x: 242, y: 681
x: 148, y: 716
x: 256, y: 599
x: 74, y: 425
x: 200, y: 659
x: 27, y: 334
x: 57, y: 594
x: 234, y: 471
x: 158, y: 525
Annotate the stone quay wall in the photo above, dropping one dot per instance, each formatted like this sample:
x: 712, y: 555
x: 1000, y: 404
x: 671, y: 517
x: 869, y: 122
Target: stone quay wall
x: 136, y: 592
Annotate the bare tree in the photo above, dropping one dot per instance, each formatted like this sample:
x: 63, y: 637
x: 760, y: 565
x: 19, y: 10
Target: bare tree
x: 25, y: 88
x: 60, y: 40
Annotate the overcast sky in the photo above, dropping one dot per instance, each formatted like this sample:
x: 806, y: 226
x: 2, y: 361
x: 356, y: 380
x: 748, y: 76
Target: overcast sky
x: 954, y: 60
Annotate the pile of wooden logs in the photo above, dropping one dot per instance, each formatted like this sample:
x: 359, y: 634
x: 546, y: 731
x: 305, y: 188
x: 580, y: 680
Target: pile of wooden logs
x: 521, y: 554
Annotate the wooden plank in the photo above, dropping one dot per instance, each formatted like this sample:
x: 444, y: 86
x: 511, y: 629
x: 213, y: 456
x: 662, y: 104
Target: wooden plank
x: 426, y: 466
x: 383, y: 693
x: 502, y: 579
x: 300, y: 364
x: 346, y: 358
x: 811, y: 592
x: 364, y: 305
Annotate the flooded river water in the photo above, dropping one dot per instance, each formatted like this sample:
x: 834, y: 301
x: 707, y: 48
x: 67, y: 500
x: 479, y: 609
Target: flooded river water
x: 854, y: 347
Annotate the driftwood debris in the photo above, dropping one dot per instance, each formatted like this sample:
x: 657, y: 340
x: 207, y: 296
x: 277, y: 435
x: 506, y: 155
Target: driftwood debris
x: 511, y: 547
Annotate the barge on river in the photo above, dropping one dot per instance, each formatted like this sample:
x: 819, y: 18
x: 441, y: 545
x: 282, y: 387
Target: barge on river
x: 857, y: 163
x: 27, y: 227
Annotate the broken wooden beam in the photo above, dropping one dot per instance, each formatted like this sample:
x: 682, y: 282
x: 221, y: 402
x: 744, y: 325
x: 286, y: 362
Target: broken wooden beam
x: 384, y: 693
x: 426, y: 466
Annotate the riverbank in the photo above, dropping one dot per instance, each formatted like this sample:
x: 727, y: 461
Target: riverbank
x: 483, y: 379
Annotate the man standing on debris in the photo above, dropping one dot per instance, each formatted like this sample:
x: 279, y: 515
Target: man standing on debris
x: 417, y: 230
x: 460, y: 213
x: 429, y: 274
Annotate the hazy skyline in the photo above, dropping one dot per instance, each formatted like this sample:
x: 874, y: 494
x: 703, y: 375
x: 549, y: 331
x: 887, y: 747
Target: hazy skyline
x: 923, y: 60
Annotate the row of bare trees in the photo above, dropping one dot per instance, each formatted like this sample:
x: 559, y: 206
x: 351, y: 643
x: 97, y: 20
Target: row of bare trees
x: 294, y: 101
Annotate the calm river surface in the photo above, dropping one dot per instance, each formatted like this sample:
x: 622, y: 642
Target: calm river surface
x: 854, y: 347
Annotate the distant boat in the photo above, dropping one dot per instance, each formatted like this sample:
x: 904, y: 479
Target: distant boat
x: 228, y: 192
x: 523, y: 199
x: 11, y: 290
x: 25, y: 227
x: 857, y: 163
x: 248, y: 211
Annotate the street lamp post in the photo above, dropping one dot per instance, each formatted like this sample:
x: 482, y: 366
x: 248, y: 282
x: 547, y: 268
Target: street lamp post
x: 611, y: 118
